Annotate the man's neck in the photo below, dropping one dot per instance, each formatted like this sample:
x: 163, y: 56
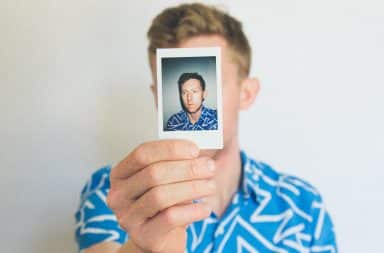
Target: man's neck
x: 194, y: 116
x: 227, y: 175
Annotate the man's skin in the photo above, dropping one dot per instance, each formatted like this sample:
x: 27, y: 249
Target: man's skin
x: 152, y: 188
x: 192, y: 95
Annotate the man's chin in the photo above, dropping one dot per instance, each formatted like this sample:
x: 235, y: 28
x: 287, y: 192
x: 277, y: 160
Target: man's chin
x: 192, y: 110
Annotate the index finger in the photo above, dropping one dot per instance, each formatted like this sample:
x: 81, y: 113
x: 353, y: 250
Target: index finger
x: 155, y: 151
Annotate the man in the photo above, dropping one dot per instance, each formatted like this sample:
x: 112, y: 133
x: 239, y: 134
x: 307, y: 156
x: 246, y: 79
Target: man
x: 145, y: 203
x: 194, y: 116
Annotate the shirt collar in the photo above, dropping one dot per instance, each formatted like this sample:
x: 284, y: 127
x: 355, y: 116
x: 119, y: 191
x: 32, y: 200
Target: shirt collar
x: 201, y: 118
x: 249, y: 182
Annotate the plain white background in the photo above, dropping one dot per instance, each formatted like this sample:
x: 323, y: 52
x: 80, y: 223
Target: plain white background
x: 74, y: 82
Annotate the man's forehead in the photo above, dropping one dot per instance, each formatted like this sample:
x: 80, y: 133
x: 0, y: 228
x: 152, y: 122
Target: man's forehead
x: 212, y: 40
x: 191, y: 83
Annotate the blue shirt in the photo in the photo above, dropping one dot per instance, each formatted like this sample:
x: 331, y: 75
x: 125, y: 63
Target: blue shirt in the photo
x: 180, y: 121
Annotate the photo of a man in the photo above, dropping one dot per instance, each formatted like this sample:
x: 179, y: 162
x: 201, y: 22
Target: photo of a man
x: 194, y: 114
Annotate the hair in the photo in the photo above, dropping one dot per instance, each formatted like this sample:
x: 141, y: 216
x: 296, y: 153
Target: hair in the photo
x: 176, y: 24
x: 187, y: 76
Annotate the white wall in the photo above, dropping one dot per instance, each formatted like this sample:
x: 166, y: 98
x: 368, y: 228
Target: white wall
x: 73, y: 74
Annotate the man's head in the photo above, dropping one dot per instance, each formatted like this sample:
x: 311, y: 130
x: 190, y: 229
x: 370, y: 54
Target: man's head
x: 192, y: 91
x: 198, y: 25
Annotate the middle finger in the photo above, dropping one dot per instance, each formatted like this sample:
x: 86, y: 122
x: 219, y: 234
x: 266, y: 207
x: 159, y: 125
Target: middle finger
x: 168, y: 172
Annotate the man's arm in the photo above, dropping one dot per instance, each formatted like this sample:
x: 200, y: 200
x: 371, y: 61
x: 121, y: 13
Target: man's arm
x: 95, y: 221
x: 324, y: 237
x: 150, y: 196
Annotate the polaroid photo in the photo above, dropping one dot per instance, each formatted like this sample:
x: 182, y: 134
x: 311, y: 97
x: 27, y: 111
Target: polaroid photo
x: 190, y: 95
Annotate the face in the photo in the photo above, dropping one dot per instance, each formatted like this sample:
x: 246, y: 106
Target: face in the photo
x: 192, y: 95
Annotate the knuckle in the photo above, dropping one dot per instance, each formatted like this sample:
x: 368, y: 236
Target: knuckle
x: 117, y: 198
x: 156, y: 198
x: 139, y: 154
x: 170, y: 217
x: 122, y: 220
x: 193, y: 168
x: 152, y: 175
x: 112, y: 199
x: 113, y: 174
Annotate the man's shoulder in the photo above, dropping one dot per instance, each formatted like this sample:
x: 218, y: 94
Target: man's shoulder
x: 291, y: 189
x: 98, y: 180
x: 176, y: 121
x: 283, y: 195
x: 179, y: 116
x: 210, y: 111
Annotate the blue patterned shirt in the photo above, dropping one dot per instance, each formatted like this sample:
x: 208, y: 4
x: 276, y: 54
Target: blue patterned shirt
x: 180, y: 121
x: 270, y: 212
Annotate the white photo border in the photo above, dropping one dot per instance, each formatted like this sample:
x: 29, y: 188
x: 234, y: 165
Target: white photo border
x: 205, y: 139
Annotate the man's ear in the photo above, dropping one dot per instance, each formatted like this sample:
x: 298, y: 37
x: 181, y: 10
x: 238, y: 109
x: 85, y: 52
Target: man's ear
x: 249, y: 89
x: 154, y: 93
x: 205, y: 94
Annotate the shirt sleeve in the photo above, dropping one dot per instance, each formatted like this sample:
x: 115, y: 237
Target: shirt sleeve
x: 95, y: 221
x: 309, y: 201
x: 323, y: 237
